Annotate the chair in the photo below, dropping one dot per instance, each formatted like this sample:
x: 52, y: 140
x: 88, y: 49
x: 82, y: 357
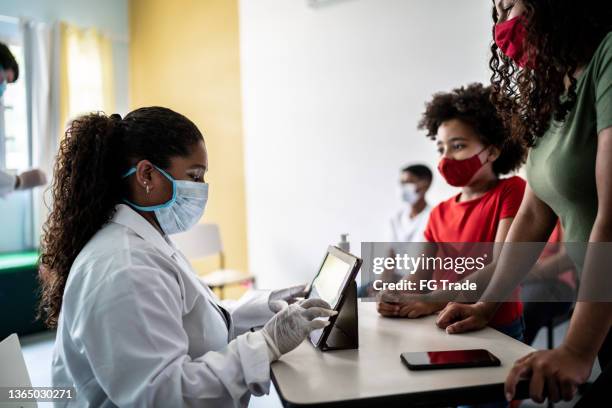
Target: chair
x: 554, y: 322
x: 202, y: 241
x: 13, y: 370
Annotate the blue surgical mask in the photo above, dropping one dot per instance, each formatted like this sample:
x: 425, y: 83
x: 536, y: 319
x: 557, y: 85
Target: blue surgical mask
x: 183, y: 210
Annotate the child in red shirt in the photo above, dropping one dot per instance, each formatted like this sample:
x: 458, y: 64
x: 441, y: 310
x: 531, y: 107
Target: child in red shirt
x: 474, y: 152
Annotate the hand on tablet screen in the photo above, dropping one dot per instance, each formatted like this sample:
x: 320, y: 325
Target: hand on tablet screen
x: 289, y: 327
x: 289, y: 295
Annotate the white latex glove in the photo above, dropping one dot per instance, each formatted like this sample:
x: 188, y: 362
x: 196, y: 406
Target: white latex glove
x: 288, y: 295
x: 289, y: 327
x: 30, y: 179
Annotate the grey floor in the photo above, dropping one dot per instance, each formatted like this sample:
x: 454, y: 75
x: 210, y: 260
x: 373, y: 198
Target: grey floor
x: 37, y: 351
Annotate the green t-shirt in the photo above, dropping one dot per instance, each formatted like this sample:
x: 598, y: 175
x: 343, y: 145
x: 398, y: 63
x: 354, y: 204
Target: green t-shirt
x: 561, y: 167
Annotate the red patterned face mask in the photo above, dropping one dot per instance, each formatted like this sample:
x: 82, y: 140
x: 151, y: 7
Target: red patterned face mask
x: 510, y: 38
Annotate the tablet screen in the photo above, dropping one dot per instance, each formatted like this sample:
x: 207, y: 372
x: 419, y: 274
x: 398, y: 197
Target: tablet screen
x: 329, y: 282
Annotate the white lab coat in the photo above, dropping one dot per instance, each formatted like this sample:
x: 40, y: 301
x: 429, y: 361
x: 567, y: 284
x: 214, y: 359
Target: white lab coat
x: 7, y: 183
x: 138, y: 329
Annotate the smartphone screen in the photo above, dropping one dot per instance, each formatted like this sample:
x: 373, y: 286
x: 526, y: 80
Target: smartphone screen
x: 428, y: 360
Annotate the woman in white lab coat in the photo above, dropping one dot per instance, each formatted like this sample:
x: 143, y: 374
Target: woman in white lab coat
x: 135, y: 326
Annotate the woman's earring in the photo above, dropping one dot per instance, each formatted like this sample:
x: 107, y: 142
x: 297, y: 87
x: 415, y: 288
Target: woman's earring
x: 148, y: 188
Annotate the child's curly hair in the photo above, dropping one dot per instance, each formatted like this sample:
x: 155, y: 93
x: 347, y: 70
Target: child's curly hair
x: 472, y: 105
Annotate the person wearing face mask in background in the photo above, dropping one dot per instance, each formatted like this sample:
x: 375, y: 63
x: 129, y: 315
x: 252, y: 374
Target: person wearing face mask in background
x: 9, y: 73
x: 408, y: 224
x: 135, y: 325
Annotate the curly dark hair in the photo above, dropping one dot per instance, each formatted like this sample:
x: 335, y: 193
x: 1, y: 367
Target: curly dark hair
x: 87, y: 184
x: 472, y: 105
x: 561, y: 36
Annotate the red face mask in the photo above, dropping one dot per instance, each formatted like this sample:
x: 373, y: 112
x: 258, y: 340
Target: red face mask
x: 458, y: 173
x: 510, y: 38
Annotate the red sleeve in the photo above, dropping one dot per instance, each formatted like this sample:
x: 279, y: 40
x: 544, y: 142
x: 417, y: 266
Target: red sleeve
x: 429, y: 228
x: 511, y: 196
x: 555, y: 236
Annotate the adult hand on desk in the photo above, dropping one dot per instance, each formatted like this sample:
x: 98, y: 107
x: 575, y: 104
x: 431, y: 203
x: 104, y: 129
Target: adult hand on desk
x: 560, y: 370
x: 459, y: 317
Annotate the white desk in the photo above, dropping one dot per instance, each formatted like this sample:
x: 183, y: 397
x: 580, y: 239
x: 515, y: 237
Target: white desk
x: 374, y: 374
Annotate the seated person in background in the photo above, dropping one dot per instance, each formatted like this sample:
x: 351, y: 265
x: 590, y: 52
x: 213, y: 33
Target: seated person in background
x: 408, y: 224
x: 475, y: 152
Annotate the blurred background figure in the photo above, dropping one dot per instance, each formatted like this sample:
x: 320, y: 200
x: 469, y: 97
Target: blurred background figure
x: 9, y: 73
x: 408, y: 224
x: 9, y: 69
x: 24, y: 181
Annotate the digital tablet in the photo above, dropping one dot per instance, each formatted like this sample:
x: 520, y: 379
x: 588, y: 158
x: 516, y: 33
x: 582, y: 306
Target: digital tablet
x: 432, y: 360
x: 337, y: 271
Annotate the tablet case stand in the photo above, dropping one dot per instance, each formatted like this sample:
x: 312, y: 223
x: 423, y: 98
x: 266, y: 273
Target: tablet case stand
x: 344, y: 333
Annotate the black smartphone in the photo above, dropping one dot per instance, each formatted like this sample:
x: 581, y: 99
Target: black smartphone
x: 432, y: 360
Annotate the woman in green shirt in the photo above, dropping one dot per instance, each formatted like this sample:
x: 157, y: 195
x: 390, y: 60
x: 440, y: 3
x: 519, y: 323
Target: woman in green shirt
x: 552, y: 85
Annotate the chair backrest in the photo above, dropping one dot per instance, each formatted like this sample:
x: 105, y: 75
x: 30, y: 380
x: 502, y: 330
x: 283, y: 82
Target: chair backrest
x: 13, y: 370
x: 200, y: 241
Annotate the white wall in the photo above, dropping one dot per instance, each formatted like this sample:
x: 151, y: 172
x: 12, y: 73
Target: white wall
x: 331, y: 99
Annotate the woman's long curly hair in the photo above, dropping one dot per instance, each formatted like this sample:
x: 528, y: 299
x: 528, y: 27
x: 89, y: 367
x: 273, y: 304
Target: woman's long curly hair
x: 87, y: 184
x: 562, y: 36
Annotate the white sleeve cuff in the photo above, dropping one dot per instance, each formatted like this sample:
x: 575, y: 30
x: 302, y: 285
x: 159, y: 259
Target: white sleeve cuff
x: 254, y: 347
x: 274, y: 352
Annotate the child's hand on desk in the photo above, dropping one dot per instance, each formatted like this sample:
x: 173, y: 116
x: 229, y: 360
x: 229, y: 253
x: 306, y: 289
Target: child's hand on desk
x: 419, y: 308
x: 394, y: 304
x: 387, y: 303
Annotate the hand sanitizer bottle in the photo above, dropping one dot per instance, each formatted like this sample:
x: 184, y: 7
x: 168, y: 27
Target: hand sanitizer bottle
x: 344, y: 244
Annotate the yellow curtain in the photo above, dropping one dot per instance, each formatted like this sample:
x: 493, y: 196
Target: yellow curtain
x: 86, y: 73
